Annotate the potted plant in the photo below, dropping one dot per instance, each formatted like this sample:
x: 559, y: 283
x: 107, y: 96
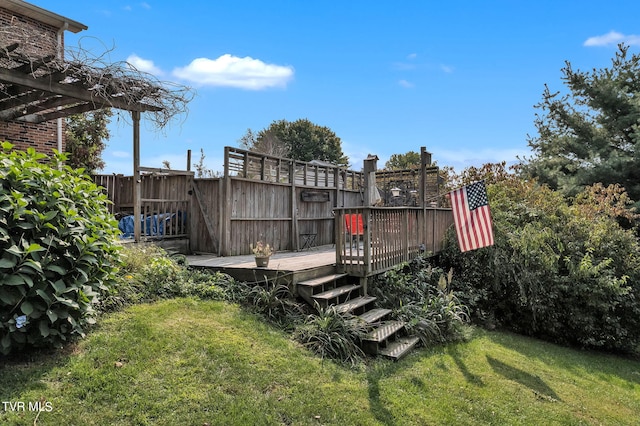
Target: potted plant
x: 262, y: 253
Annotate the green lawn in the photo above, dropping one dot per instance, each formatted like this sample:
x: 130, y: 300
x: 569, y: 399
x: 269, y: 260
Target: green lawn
x: 188, y: 362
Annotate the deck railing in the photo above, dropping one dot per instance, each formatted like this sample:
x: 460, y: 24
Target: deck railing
x: 164, y: 218
x: 371, y: 240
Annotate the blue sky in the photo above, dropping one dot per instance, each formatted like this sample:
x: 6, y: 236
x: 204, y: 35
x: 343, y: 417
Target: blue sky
x: 459, y: 77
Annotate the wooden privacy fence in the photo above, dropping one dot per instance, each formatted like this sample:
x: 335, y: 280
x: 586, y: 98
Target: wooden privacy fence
x: 371, y: 240
x: 286, y: 203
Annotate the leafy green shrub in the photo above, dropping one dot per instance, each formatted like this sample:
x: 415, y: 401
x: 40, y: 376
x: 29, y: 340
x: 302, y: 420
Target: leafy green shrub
x: 276, y: 303
x: 419, y: 295
x: 149, y: 273
x: 57, y: 248
x: 332, y: 335
x: 563, y: 272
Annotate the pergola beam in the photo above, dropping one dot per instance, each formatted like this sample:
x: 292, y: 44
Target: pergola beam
x: 25, y: 97
x: 32, y: 107
x: 65, y: 112
x: 34, y: 65
x: 76, y: 93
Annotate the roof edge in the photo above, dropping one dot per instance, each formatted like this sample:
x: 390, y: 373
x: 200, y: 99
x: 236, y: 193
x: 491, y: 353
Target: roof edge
x: 42, y: 15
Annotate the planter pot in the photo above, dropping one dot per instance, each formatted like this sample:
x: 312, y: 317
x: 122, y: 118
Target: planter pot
x: 262, y: 261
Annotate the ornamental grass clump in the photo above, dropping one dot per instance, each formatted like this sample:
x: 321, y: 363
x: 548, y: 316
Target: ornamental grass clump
x: 58, y: 249
x: 333, y: 335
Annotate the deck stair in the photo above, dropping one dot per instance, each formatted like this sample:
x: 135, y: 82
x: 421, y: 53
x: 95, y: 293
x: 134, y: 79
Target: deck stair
x: 387, y: 338
x: 309, y: 288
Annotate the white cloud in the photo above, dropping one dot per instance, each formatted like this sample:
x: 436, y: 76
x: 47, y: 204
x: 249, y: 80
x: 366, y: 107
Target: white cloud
x: 613, y: 38
x: 120, y: 154
x: 145, y: 5
x: 406, y: 84
x: 412, y: 56
x: 404, y: 66
x: 144, y: 65
x: 446, y: 68
x: 232, y: 71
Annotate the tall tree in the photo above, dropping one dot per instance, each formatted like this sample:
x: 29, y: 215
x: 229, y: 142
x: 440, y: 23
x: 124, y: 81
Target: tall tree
x: 591, y: 134
x: 403, y: 161
x: 301, y: 140
x: 86, y: 135
x: 266, y: 142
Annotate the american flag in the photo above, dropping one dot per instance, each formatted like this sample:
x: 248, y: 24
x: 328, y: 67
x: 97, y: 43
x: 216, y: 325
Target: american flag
x: 472, y: 216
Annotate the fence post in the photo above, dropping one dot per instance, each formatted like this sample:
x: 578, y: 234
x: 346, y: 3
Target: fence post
x: 137, y: 192
x: 294, y: 207
x: 225, y: 208
x: 370, y: 190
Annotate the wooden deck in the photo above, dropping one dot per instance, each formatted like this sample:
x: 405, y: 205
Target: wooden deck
x: 291, y: 267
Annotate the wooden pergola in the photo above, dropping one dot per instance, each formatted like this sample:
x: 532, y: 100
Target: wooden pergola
x: 36, y: 90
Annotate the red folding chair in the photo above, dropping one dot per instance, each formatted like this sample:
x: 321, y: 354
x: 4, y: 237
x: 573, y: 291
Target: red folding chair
x: 354, y: 226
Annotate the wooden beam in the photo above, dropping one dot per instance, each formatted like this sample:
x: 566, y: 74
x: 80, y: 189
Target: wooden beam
x: 166, y: 171
x: 65, y: 112
x: 11, y: 47
x: 14, y: 77
x: 137, y: 191
x: 55, y: 76
x: 34, y: 65
x: 21, y: 98
x: 46, y: 103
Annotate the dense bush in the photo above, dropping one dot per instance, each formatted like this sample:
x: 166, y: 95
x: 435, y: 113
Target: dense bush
x: 560, y: 271
x: 148, y: 273
x: 57, y: 248
x: 419, y: 295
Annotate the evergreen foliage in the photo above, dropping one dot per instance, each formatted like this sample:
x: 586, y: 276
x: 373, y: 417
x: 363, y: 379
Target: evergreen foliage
x: 591, y: 134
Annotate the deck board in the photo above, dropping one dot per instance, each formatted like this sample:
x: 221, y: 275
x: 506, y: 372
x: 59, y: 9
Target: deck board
x: 282, y: 261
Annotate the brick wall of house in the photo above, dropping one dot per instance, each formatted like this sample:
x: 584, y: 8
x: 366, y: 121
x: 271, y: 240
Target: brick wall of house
x: 40, y: 41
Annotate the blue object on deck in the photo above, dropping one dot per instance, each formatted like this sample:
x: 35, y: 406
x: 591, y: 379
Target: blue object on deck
x: 153, y: 225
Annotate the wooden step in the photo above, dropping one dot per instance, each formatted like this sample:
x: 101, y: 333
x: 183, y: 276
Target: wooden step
x: 306, y: 289
x: 354, y: 304
x: 399, y: 348
x: 336, y: 292
x: 315, y: 282
x: 384, y: 331
x: 374, y: 315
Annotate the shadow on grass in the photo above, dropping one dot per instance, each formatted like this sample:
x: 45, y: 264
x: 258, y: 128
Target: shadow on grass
x: 384, y: 369
x: 454, y: 352
x: 378, y: 408
x: 23, y: 372
x: 599, y: 363
x: 533, y: 382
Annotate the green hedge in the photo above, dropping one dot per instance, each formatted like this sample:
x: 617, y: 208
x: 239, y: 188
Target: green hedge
x: 564, y: 272
x: 58, y: 249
